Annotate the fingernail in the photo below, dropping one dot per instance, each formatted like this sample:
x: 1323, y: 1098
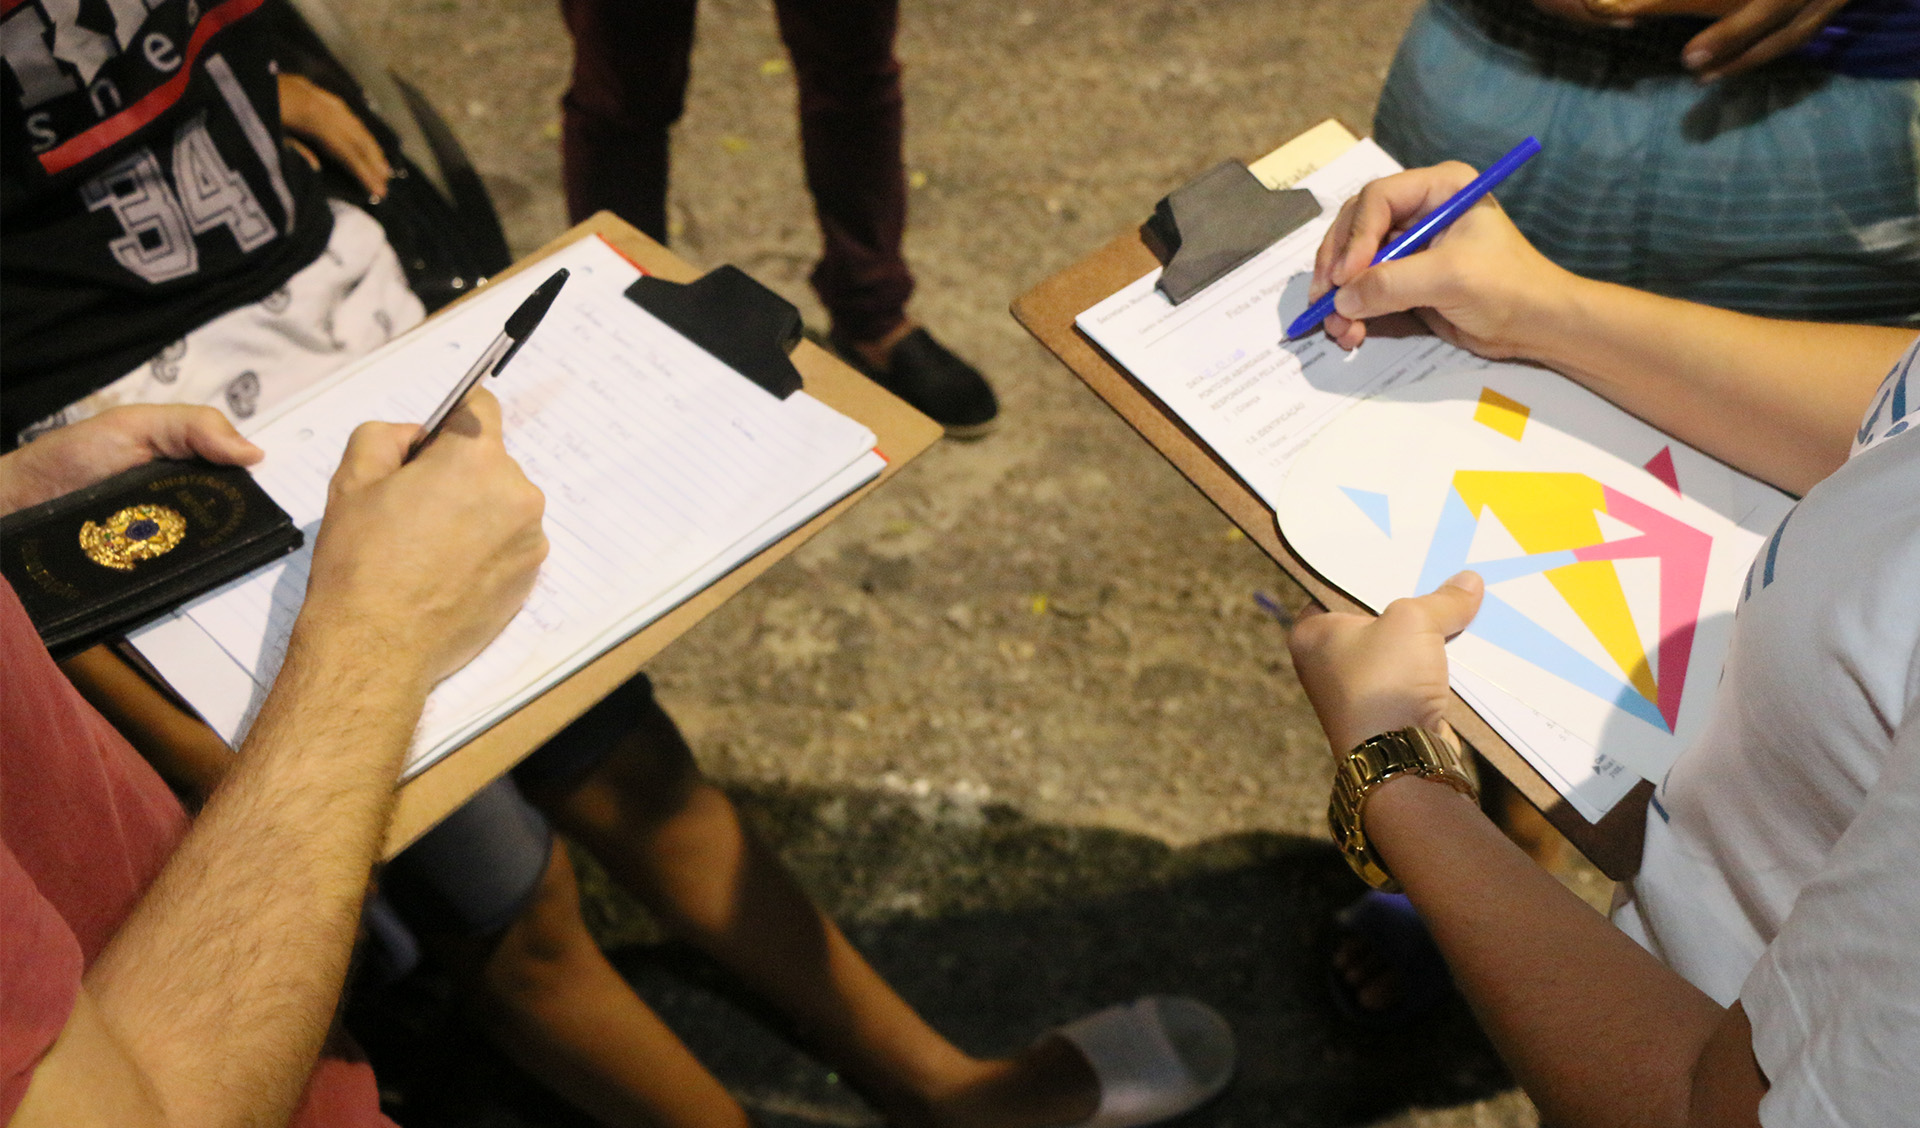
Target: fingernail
x: 1468, y: 580
x: 1697, y: 58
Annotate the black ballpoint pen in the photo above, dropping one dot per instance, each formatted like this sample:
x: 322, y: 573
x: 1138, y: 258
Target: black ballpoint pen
x: 519, y: 327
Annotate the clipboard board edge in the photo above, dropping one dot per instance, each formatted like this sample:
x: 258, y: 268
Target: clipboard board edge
x: 902, y: 434
x: 1048, y: 311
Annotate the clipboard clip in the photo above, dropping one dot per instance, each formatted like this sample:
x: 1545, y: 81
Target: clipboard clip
x: 1215, y: 222
x: 746, y: 326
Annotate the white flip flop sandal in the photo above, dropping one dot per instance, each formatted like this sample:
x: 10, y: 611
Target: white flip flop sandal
x: 1155, y: 1058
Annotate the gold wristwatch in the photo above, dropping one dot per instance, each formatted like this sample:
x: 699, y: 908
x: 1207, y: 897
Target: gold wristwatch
x: 1414, y: 750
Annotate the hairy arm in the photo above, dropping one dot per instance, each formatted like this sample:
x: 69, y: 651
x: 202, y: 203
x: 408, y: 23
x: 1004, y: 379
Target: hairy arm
x: 1778, y: 399
x: 210, y: 1005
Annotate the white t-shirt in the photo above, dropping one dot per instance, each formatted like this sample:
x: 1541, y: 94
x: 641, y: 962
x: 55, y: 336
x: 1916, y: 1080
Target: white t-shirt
x: 1782, y: 861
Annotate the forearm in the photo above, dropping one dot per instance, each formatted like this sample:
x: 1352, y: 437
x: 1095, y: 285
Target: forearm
x: 1778, y: 399
x: 1595, y: 1029
x: 223, y: 983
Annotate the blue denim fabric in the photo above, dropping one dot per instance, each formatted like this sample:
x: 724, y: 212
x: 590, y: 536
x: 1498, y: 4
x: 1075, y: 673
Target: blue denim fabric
x: 1789, y: 192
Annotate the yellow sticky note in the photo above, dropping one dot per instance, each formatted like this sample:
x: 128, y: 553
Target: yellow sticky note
x: 1507, y: 416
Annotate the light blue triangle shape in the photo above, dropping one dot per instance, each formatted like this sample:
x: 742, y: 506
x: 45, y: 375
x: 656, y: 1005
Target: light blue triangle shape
x: 1500, y: 623
x: 1374, y: 505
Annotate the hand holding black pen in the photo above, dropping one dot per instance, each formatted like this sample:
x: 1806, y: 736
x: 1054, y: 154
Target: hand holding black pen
x: 518, y: 328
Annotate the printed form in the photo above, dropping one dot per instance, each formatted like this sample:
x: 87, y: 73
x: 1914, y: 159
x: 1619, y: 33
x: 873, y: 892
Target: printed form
x: 662, y: 470
x: 1222, y: 364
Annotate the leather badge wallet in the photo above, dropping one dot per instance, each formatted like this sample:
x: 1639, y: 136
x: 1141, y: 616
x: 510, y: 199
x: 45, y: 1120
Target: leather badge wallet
x: 97, y: 563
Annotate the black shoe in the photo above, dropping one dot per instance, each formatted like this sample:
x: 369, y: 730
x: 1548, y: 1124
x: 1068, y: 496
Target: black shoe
x: 939, y: 384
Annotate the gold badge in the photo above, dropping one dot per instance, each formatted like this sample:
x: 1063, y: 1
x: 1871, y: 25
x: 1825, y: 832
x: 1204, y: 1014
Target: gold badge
x: 136, y: 533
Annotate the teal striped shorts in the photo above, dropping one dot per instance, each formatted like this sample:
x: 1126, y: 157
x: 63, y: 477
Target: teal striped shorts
x: 1791, y: 192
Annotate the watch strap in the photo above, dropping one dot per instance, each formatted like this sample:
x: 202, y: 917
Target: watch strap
x: 1405, y: 751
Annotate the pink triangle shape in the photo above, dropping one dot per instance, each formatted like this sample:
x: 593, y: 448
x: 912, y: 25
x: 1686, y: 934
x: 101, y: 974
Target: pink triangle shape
x: 1661, y: 467
x: 1682, y: 551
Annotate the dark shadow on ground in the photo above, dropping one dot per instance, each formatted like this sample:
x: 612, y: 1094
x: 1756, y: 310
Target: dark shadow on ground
x: 996, y: 929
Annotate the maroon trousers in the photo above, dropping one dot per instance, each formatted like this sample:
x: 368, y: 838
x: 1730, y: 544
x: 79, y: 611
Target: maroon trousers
x: 630, y: 69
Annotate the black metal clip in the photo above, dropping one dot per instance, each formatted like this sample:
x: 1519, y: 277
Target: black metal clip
x: 746, y: 326
x: 1218, y: 220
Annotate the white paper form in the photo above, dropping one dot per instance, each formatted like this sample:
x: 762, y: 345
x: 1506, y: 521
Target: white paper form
x: 662, y: 469
x: 1611, y: 582
x: 1222, y: 364
x: 1221, y: 360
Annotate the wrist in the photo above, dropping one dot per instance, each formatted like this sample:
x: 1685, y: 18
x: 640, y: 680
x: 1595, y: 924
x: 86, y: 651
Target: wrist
x: 1569, y: 318
x: 1555, y: 306
x: 1372, y: 765
x: 346, y: 643
x: 1395, y: 795
x: 12, y: 500
x: 1358, y: 723
x: 20, y: 487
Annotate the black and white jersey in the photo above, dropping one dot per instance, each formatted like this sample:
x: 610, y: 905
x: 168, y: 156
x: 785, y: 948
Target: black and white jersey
x: 145, y: 188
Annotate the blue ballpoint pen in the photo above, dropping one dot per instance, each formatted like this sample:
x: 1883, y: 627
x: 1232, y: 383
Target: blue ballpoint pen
x: 1437, y: 221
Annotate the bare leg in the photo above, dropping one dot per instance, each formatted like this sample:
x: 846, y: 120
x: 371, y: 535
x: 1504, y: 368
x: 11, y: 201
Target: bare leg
x: 677, y: 842
x: 543, y: 989
x: 549, y: 999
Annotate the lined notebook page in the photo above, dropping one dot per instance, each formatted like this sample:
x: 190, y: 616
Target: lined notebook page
x: 660, y: 466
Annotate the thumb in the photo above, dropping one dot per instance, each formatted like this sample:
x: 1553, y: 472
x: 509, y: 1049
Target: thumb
x: 212, y: 436
x: 1454, y: 603
x: 177, y: 431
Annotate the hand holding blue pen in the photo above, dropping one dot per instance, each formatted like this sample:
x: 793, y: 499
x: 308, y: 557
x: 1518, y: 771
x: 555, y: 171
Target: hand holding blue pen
x: 1423, y: 232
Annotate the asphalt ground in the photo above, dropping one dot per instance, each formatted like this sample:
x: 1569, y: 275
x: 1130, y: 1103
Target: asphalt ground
x: 1017, y: 720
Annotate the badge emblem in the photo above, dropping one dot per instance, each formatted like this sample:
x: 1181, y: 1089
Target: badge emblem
x: 136, y: 533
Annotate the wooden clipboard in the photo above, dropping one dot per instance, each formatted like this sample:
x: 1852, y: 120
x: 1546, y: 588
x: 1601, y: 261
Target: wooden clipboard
x: 902, y: 434
x: 1048, y: 311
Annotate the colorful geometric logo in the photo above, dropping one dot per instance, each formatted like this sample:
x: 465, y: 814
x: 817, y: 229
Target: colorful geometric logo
x: 1554, y: 518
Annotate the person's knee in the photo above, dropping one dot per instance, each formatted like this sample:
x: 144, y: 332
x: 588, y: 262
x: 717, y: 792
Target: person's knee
x: 646, y: 777
x: 541, y: 954
x: 635, y: 791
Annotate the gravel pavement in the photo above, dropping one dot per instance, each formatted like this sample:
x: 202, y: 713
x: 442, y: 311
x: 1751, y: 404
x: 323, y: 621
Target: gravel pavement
x: 1017, y: 719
